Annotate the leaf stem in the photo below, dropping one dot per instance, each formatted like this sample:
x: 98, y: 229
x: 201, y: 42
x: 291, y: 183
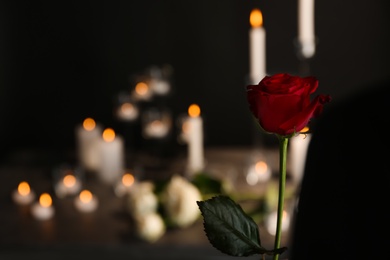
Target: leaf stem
x: 283, y: 142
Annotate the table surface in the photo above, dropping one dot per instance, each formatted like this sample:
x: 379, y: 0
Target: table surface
x: 109, y: 230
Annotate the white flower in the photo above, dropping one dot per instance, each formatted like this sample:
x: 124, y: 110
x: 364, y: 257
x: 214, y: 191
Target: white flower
x: 150, y: 227
x: 142, y: 200
x: 179, y: 200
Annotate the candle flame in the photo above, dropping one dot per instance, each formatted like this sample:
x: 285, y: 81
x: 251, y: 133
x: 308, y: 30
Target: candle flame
x: 261, y: 167
x: 69, y: 180
x: 141, y: 88
x: 85, y: 196
x: 128, y: 179
x: 256, y: 18
x: 24, y: 188
x: 45, y: 200
x: 108, y: 135
x: 89, y: 124
x: 194, y: 110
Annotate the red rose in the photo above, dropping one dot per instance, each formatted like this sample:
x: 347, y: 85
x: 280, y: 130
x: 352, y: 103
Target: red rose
x: 281, y: 103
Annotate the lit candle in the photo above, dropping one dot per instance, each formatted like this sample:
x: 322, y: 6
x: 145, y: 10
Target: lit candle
x: 88, y: 135
x: 111, y: 150
x: 127, y: 112
x: 86, y: 201
x: 258, y: 172
x: 271, y: 221
x: 68, y: 185
x: 43, y: 209
x: 142, y: 91
x: 257, y: 54
x: 195, y: 140
x: 125, y: 185
x: 156, y: 129
x: 306, y: 34
x: 23, y: 195
x: 298, y: 152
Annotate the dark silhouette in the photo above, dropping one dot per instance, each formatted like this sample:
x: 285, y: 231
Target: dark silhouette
x: 344, y: 198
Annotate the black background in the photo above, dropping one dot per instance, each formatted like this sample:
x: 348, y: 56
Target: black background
x: 61, y: 61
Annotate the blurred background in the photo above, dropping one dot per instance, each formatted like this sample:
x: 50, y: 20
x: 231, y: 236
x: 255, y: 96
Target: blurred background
x: 63, y: 61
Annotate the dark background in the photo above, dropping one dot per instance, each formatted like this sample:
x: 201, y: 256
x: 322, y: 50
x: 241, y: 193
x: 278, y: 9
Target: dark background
x: 61, y: 61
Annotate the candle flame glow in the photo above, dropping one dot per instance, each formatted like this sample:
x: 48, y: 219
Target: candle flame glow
x: 108, y: 135
x: 261, y: 167
x: 127, y: 107
x: 23, y: 188
x: 69, y: 180
x: 89, y: 124
x: 85, y: 196
x: 141, y: 88
x: 128, y: 179
x: 194, y: 110
x: 45, y: 200
x: 256, y: 18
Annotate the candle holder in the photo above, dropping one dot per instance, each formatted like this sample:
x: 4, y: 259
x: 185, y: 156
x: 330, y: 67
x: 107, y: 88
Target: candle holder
x: 305, y: 52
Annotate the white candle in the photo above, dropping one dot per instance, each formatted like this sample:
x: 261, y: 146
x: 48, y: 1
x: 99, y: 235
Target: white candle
x: 68, y: 185
x: 195, y: 140
x: 43, y: 209
x: 86, y: 201
x: 258, y: 172
x: 160, y: 86
x: 257, y: 54
x: 298, y: 152
x: 111, y: 148
x: 23, y: 195
x: 127, y: 112
x: 87, y: 136
x: 306, y: 34
x: 125, y: 185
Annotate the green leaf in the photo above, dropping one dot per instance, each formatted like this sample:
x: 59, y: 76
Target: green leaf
x: 228, y: 228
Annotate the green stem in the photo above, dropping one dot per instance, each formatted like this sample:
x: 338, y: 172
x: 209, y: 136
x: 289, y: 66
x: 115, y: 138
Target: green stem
x: 283, y: 141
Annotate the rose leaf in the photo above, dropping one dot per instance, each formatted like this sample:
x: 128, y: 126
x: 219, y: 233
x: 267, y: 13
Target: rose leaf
x: 228, y: 228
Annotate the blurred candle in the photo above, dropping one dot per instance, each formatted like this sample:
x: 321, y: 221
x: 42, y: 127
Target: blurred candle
x: 271, y: 222
x: 298, y: 152
x: 86, y: 201
x: 43, y: 209
x: 88, y: 135
x: 111, y: 150
x: 257, y: 54
x: 156, y: 129
x: 125, y: 185
x: 23, y: 195
x: 68, y: 185
x: 258, y: 172
x: 306, y: 36
x: 142, y: 91
x: 195, y: 140
x: 127, y: 111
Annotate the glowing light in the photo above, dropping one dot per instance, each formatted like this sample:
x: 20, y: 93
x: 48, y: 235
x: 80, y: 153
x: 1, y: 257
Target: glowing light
x: 141, y: 88
x: 108, y: 135
x: 69, y: 180
x: 85, y: 196
x: 24, y: 188
x: 128, y: 179
x: 45, y: 200
x: 89, y: 124
x: 194, y: 110
x: 127, y: 108
x: 261, y: 167
x: 256, y: 18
